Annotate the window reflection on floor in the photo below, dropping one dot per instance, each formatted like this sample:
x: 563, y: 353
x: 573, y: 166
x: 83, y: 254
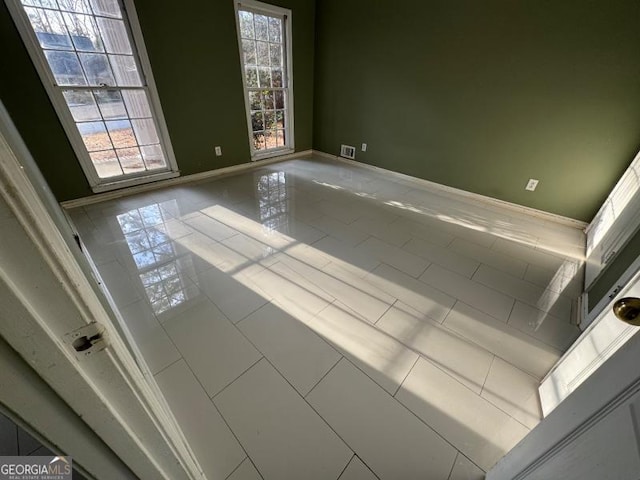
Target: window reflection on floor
x: 163, y: 269
x: 273, y: 201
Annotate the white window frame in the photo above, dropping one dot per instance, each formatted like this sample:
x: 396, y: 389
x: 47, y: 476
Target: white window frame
x: 134, y: 31
x: 267, y: 9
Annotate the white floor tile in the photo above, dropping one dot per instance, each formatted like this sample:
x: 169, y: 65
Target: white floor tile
x: 283, y: 436
x: 465, y: 469
x: 418, y: 295
x: 346, y: 253
x: 485, y: 299
x: 496, y: 259
x: 214, y: 349
x: 382, y: 433
x: 154, y: 344
x: 378, y: 354
x: 338, y: 230
x: 503, y: 340
x: 356, y: 470
x: 123, y: 289
x: 514, y: 392
x: 566, y: 279
x: 250, y: 248
x: 396, y: 257
x: 547, y: 328
x: 215, y: 447
x: 465, y: 361
x: 381, y: 229
x: 213, y: 229
x: 474, y: 426
x: 246, y: 471
x: 298, y: 353
x: 442, y: 256
x: 427, y: 231
x: 527, y: 292
x: 233, y: 292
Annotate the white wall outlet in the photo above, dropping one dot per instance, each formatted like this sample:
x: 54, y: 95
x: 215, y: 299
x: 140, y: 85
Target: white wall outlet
x: 218, y: 151
x: 531, y: 184
x: 364, y: 147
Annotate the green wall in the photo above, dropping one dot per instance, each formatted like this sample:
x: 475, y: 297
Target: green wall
x: 196, y: 64
x: 483, y: 95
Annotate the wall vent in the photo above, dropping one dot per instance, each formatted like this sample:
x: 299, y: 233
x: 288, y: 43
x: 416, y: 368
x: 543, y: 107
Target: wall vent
x: 347, y: 151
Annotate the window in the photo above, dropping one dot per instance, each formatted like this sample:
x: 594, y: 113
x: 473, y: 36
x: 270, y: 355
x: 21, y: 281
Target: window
x: 88, y: 62
x: 264, y: 35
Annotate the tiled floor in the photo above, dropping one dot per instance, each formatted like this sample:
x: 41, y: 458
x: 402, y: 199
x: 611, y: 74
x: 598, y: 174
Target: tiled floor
x: 315, y: 320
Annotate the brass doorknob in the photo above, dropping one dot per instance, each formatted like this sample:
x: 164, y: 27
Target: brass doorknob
x: 628, y: 310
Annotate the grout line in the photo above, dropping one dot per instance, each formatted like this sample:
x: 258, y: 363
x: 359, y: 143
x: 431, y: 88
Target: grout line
x: 484, y: 382
x: 346, y: 466
x: 168, y: 366
x: 454, y: 464
x: 325, y: 375
x: 234, y: 380
x: 406, y: 376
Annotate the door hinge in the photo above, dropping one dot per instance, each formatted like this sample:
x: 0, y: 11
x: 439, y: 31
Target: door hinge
x: 87, y: 340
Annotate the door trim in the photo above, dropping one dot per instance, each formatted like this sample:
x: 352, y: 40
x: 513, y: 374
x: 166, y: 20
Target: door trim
x: 49, y: 293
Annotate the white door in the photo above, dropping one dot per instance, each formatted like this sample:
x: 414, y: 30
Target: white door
x: 594, y: 434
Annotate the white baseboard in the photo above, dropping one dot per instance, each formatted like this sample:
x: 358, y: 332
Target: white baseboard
x: 540, y: 214
x: 124, y: 192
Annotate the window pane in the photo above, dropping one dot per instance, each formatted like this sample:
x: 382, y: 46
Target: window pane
x: 249, y: 52
x: 145, y: 131
x: 264, y: 75
x: 114, y: 35
x: 137, y: 103
x: 280, y: 138
x: 153, y: 157
x: 263, y: 53
x: 280, y: 118
x: 246, y: 25
x: 94, y: 135
x: 65, y: 67
x: 49, y: 28
x: 258, y: 141
x: 81, y: 6
x: 106, y: 163
x: 257, y: 121
x: 275, y: 52
x: 275, y: 30
x: 121, y: 134
x: 270, y: 139
x: 255, y: 102
x: 125, y: 70
x: 268, y: 100
x: 269, y: 119
x: 84, y: 32
x: 82, y: 105
x: 251, y: 77
x: 96, y: 67
x: 131, y: 160
x: 110, y: 104
x: 108, y: 8
x: 276, y: 75
x: 41, y: 3
x: 261, y: 24
x: 279, y: 98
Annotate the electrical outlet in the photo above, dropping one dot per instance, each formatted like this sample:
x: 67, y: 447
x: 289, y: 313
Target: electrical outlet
x: 364, y: 147
x: 531, y: 184
x: 218, y: 151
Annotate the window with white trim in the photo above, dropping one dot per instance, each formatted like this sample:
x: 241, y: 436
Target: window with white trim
x: 264, y: 35
x: 88, y: 61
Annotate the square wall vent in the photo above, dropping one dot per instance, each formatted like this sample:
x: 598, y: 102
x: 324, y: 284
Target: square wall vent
x: 347, y: 151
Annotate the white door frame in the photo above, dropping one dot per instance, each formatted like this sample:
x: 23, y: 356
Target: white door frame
x: 46, y: 294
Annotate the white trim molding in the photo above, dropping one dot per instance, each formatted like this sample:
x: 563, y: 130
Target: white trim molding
x: 533, y: 212
x: 194, y: 177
